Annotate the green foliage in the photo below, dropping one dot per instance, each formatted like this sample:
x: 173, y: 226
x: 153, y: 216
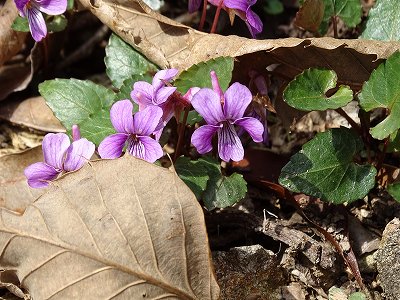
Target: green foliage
x: 192, y: 118
x: 383, y: 21
x: 307, y: 91
x: 57, y: 23
x: 382, y: 90
x: 20, y: 24
x: 394, y: 190
x: 199, y: 75
x: 205, y: 179
x: 357, y: 296
x: 127, y: 87
x: 348, y: 10
x: 122, y: 62
x: 324, y: 168
x: 80, y: 102
x: 70, y: 4
x: 273, y: 7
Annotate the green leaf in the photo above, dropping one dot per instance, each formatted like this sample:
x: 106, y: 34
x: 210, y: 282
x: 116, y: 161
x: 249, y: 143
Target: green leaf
x: 307, y: 91
x: 348, y: 10
x: 394, y: 142
x: 57, y: 23
x: 199, y: 75
x: 193, y: 117
x: 394, y: 190
x: 324, y: 168
x: 80, y: 102
x: 20, y: 24
x: 122, y: 62
x: 383, y: 21
x: 206, y: 181
x: 273, y: 7
x: 382, y: 90
x: 357, y: 296
x: 70, y: 4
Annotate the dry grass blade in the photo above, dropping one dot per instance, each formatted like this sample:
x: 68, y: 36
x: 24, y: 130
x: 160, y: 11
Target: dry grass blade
x: 120, y: 229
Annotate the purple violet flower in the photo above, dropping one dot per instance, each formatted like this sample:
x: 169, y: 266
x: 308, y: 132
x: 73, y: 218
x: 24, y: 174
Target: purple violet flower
x: 132, y: 131
x: 59, y: 155
x: 222, y: 111
x: 242, y: 8
x: 32, y: 9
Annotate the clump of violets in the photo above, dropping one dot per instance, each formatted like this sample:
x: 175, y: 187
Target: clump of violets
x: 59, y: 156
x: 222, y: 112
x: 133, y: 132
x: 241, y: 8
x: 32, y: 9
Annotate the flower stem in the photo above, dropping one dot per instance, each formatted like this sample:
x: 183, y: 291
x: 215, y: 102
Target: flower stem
x: 335, y: 30
x: 203, y: 15
x: 216, y: 17
x: 181, y: 134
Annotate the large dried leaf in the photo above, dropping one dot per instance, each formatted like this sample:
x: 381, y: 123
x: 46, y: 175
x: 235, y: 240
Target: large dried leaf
x: 171, y: 44
x: 33, y: 113
x: 120, y: 229
x: 15, y: 194
x: 10, y: 40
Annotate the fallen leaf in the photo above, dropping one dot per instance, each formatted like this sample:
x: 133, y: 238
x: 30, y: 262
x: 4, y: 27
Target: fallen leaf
x: 171, y: 44
x: 121, y: 229
x: 33, y: 113
x: 310, y: 15
x: 11, y: 41
x: 15, y: 194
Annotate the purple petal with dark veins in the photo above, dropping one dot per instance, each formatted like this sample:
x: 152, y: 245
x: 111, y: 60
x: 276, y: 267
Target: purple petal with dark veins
x: 39, y: 174
x: 52, y: 7
x: 78, y: 154
x: 202, y: 138
x: 253, y: 126
x: 162, y: 76
x: 146, y: 120
x: 112, y: 146
x: 37, y: 25
x: 229, y: 144
x: 146, y: 148
x: 237, y: 98
x: 162, y: 94
x: 54, y: 146
x: 142, y: 94
x: 20, y: 4
x: 121, y: 116
x: 207, y: 103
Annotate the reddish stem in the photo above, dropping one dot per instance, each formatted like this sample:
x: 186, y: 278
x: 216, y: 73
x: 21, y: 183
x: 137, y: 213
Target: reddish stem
x: 216, y: 17
x: 203, y: 15
x: 181, y: 134
x: 335, y: 30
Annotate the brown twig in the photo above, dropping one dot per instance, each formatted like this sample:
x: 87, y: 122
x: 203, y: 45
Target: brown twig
x: 335, y: 30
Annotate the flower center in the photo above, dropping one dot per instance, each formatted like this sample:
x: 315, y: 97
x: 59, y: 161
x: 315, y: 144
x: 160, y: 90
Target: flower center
x: 135, y: 146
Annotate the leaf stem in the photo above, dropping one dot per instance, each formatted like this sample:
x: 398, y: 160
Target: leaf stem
x: 335, y: 30
x: 181, y: 134
x: 203, y: 15
x: 216, y: 17
x: 353, y: 124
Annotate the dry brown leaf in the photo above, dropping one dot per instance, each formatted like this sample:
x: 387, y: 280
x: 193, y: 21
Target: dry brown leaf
x: 310, y: 15
x: 15, y: 194
x: 11, y: 41
x: 33, y: 113
x: 171, y: 44
x: 120, y: 229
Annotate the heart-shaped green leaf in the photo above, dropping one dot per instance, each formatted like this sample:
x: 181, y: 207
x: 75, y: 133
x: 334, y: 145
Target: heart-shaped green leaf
x: 348, y: 10
x: 122, y: 61
x: 57, y: 23
x: 199, y: 74
x: 324, y: 168
x: 394, y: 190
x: 382, y: 90
x: 307, y: 91
x: 383, y: 21
x: 80, y: 102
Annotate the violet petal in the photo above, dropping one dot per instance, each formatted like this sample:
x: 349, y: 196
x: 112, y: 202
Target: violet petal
x: 54, y: 146
x: 237, y: 98
x: 112, y: 146
x: 254, y: 21
x: 39, y: 174
x: 162, y: 76
x: 78, y: 154
x: 142, y: 94
x: 121, y: 116
x: 216, y: 86
x: 20, y: 4
x: 253, y: 126
x: 242, y: 5
x: 52, y: 7
x: 190, y: 93
x: 194, y: 5
x: 162, y: 94
x: 207, y: 103
x: 146, y: 120
x: 146, y: 148
x: 229, y: 144
x: 37, y: 25
x: 202, y: 138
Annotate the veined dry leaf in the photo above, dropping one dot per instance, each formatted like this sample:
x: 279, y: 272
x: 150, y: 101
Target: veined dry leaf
x: 11, y: 41
x: 171, y: 44
x: 33, y: 113
x: 310, y: 15
x: 15, y: 194
x: 120, y: 229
